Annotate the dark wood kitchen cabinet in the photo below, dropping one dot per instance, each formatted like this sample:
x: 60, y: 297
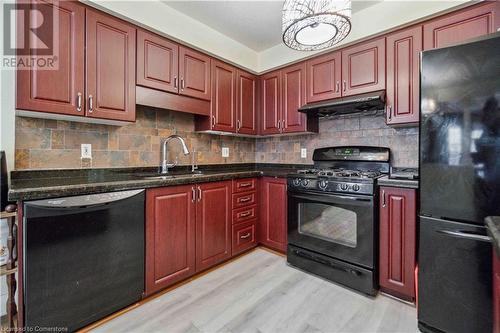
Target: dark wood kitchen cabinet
x: 324, y: 77
x: 363, y: 67
x: 157, y: 62
x: 270, y: 120
x: 223, y: 111
x: 170, y: 236
x: 62, y: 90
x: 273, y: 213
x: 462, y: 25
x: 403, y: 76
x: 213, y: 224
x: 194, y: 74
x: 397, y: 242
x: 110, y: 67
x: 246, y: 103
x: 496, y: 292
x: 294, y: 96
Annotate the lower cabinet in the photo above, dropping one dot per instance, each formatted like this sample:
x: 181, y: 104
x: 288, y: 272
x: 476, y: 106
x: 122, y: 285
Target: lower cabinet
x: 397, y: 242
x: 496, y: 292
x: 273, y: 213
x: 213, y: 224
x: 245, y: 214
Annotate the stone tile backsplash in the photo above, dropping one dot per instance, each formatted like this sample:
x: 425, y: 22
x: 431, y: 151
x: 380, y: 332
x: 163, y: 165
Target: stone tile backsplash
x: 46, y: 144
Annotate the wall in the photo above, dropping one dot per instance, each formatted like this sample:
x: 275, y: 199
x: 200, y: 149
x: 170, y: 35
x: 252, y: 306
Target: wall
x: 358, y: 130
x: 42, y: 143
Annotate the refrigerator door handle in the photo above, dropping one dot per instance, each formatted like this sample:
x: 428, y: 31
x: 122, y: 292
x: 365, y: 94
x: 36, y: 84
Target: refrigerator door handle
x: 466, y: 235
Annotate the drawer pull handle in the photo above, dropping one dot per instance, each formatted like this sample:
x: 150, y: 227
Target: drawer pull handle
x: 246, y: 199
x: 245, y: 184
x: 245, y: 214
x: 245, y: 236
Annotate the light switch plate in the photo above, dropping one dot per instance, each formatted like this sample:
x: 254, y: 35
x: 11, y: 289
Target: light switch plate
x: 303, y: 152
x: 225, y: 152
x: 86, y: 150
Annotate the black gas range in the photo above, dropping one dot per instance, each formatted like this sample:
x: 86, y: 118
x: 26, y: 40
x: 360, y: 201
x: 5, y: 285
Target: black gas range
x: 332, y: 215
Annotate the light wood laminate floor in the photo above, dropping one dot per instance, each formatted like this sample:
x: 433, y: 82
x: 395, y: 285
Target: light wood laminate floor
x: 259, y: 292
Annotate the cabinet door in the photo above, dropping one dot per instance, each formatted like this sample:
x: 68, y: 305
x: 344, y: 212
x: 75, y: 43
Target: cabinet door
x: 403, y: 72
x: 194, y: 74
x: 363, y: 67
x: 213, y: 224
x: 271, y: 103
x: 496, y: 292
x: 223, y: 97
x: 323, y: 77
x: 110, y: 84
x: 246, y: 103
x: 398, y: 241
x: 157, y: 62
x: 170, y: 236
x: 59, y: 90
x: 294, y: 96
x: 273, y: 219
x: 462, y: 25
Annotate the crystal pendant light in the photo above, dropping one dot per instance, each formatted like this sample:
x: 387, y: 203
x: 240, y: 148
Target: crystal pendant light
x: 315, y: 24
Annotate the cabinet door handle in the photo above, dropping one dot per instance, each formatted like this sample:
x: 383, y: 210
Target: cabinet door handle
x: 183, y: 85
x: 383, y: 199
x: 245, y: 214
x: 245, y: 199
x: 389, y: 112
x: 213, y: 121
x: 193, y: 194
x: 199, y: 194
x: 238, y: 125
x: 175, y: 81
x: 91, y: 104
x: 79, y: 102
x: 245, y: 236
x: 344, y: 85
x: 337, y: 87
x: 279, y: 125
x: 245, y: 184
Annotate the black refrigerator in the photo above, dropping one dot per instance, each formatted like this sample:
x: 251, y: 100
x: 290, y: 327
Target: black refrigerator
x: 459, y: 184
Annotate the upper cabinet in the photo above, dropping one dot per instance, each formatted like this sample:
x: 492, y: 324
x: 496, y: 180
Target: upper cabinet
x: 96, y: 73
x: 323, y: 77
x: 363, y: 67
x: 157, y: 62
x: 270, y: 112
x: 246, y: 103
x: 223, y: 111
x: 403, y: 72
x: 110, y: 66
x: 462, y: 25
x: 61, y: 90
x: 194, y: 74
x: 294, y: 96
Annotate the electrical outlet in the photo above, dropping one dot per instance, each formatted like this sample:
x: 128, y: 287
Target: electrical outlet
x: 86, y: 150
x: 303, y: 152
x: 225, y: 152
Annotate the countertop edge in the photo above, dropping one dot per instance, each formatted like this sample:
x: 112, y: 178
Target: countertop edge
x: 405, y: 183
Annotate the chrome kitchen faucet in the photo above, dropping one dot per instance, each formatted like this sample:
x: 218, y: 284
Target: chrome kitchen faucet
x: 164, y: 153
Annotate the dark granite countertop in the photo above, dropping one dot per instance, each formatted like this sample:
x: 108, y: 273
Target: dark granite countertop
x: 40, y: 184
x: 407, y: 183
x: 493, y: 224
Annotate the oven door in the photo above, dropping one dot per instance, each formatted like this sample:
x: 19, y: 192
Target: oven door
x: 339, y: 226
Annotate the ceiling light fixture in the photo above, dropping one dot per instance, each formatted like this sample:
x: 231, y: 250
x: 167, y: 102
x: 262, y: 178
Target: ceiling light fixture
x: 310, y: 25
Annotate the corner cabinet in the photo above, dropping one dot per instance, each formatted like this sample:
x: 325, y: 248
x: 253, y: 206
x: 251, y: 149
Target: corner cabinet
x: 246, y: 103
x: 170, y: 236
x: 403, y: 76
x: 397, y: 242
x: 223, y: 111
x: 273, y: 213
x: 363, y: 67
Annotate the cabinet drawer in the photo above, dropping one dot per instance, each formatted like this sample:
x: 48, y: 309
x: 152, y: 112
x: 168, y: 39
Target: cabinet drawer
x: 244, y: 237
x: 244, y: 185
x: 244, y: 199
x: 244, y: 214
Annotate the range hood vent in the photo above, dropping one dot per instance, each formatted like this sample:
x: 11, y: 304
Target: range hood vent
x: 373, y: 101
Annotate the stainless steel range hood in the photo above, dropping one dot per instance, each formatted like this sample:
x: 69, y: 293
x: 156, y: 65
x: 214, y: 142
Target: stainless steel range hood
x: 373, y: 101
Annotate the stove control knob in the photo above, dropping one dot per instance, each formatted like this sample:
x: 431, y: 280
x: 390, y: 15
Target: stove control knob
x: 296, y: 181
x: 323, y: 184
x: 344, y: 187
x: 355, y: 187
x: 305, y: 182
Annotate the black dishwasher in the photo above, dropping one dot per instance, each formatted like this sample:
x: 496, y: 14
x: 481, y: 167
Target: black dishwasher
x: 83, y: 258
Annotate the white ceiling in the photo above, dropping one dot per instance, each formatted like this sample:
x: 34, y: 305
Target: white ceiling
x: 256, y: 24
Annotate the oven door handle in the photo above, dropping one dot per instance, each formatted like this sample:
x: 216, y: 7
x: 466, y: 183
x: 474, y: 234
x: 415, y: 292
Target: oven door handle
x: 330, y: 197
